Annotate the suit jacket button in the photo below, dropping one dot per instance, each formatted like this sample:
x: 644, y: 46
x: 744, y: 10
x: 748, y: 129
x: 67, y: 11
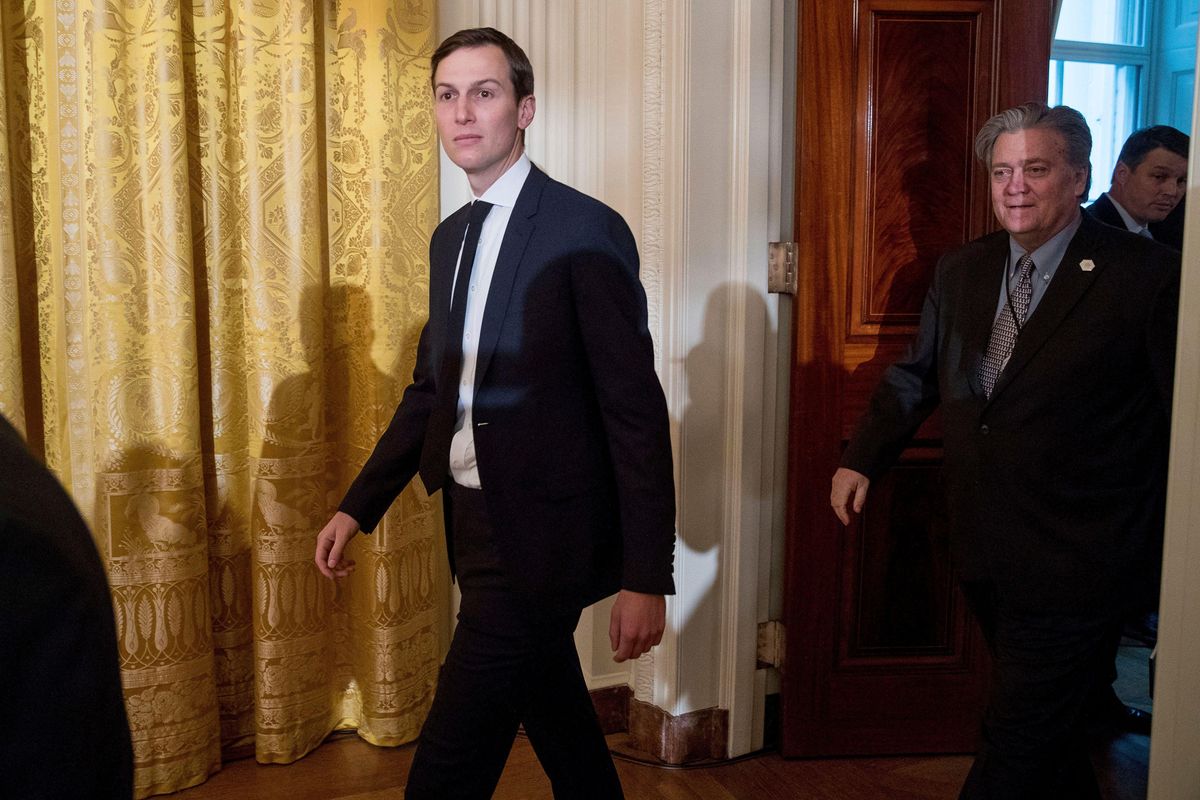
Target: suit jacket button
x: 984, y: 430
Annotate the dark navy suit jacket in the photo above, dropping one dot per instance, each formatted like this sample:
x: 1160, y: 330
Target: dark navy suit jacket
x: 571, y: 429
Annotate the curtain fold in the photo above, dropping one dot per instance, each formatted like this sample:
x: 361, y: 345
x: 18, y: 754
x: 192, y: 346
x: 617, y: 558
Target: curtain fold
x: 213, y: 228
x: 12, y: 384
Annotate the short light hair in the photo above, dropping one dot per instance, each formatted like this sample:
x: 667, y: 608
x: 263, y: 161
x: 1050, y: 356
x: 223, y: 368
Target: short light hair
x: 1066, y: 121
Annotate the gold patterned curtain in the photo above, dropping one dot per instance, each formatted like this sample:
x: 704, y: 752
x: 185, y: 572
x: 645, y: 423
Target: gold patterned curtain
x: 213, y: 228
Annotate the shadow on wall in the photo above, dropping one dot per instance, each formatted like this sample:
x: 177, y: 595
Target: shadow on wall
x: 706, y: 456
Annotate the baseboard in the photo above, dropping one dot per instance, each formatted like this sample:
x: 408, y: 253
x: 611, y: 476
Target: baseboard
x: 696, y: 736
x: 612, y: 707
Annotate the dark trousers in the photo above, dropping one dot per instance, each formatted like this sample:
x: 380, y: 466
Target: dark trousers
x: 1045, y: 669
x: 511, y: 662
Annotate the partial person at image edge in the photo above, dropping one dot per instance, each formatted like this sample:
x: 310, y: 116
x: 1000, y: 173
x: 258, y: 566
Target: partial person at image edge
x: 65, y: 734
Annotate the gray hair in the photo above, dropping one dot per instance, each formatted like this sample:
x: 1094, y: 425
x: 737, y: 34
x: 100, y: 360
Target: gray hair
x: 1066, y: 121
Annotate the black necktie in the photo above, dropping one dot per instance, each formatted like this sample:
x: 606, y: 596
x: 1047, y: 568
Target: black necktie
x: 435, y: 453
x: 1007, y: 327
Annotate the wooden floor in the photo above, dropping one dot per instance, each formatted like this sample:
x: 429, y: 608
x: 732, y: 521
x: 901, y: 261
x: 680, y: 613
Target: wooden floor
x: 347, y: 768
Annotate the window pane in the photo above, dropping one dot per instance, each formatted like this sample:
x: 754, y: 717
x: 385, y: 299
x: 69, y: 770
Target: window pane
x: 1106, y: 95
x: 1101, y: 21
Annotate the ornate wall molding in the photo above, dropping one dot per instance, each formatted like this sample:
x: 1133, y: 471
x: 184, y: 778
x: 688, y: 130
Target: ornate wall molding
x: 1174, y: 770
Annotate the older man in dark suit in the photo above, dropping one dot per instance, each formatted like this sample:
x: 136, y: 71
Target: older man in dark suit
x: 1049, y: 347
x: 535, y: 407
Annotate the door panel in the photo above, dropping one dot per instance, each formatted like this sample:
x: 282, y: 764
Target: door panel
x: 1174, y: 64
x: 882, y: 656
x: 918, y: 177
x: 900, y: 599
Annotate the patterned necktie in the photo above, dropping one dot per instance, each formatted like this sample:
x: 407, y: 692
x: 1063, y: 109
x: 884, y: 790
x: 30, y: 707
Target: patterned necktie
x: 1007, y: 326
x: 435, y: 454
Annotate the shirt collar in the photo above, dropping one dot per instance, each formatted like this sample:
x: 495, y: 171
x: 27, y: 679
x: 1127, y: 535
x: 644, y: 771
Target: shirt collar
x: 506, y: 188
x: 1130, y: 223
x: 1046, y: 257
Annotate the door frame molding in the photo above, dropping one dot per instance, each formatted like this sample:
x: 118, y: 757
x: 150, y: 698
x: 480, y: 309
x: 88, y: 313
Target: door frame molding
x: 1175, y: 738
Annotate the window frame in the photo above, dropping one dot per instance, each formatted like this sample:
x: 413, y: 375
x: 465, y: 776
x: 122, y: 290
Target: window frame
x: 1142, y: 15
x: 1118, y: 55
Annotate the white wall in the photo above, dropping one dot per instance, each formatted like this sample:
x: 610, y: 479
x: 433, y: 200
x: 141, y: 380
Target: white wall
x: 666, y: 110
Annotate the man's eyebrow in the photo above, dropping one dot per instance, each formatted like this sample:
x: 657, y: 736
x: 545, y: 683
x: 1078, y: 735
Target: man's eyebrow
x: 1021, y: 162
x: 476, y: 84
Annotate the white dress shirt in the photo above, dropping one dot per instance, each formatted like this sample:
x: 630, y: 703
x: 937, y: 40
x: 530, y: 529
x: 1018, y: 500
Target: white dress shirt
x: 503, y: 196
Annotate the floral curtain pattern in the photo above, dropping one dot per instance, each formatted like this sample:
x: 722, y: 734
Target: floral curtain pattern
x: 213, y: 228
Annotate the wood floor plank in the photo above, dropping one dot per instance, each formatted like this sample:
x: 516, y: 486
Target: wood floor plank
x: 347, y: 768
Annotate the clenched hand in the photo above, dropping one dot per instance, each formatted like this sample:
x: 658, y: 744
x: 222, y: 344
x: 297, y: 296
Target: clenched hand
x: 849, y: 493
x: 637, y: 623
x: 331, y: 545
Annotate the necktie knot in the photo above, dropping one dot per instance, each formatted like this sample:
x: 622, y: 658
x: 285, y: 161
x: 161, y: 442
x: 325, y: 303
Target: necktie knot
x: 1025, y: 266
x: 479, y: 210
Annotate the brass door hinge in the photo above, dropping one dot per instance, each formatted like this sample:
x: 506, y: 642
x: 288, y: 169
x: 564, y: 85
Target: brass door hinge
x: 771, y: 640
x: 781, y: 267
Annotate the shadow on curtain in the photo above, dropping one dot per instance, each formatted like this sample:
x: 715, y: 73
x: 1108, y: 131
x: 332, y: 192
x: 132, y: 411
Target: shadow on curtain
x: 213, y: 228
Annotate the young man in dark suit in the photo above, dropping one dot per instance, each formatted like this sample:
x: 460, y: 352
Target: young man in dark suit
x: 534, y: 406
x: 1049, y: 347
x: 1148, y: 184
x: 65, y: 732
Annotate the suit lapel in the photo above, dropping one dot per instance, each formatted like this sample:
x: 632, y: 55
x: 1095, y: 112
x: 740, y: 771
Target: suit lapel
x: 512, y: 248
x: 1069, y: 285
x: 981, y: 294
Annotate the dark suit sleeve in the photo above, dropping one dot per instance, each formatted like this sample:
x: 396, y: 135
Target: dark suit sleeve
x: 397, y: 454
x: 610, y: 306
x: 907, y: 393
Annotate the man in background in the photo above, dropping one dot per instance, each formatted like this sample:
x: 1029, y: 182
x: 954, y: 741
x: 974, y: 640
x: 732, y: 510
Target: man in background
x: 65, y: 733
x: 535, y: 407
x: 1148, y: 184
x: 1049, y: 348
x: 1146, y: 198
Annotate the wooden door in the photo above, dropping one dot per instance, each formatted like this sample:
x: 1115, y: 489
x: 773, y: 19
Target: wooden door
x: 881, y: 654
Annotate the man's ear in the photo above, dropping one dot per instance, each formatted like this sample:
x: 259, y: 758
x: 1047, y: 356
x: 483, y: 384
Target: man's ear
x: 1121, y: 174
x: 526, y: 107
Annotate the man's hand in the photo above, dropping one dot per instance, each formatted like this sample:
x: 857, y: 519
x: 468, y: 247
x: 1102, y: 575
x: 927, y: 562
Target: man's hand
x: 331, y: 543
x: 637, y: 623
x: 849, y: 493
